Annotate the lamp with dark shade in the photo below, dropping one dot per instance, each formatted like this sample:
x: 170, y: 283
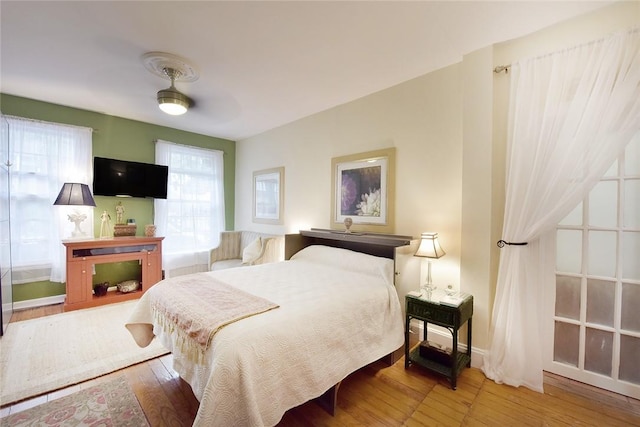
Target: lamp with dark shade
x: 429, y: 248
x: 75, y: 194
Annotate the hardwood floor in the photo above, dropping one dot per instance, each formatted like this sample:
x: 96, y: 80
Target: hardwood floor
x: 380, y: 395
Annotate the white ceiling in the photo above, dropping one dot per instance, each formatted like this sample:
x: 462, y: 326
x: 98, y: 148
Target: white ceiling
x: 262, y: 64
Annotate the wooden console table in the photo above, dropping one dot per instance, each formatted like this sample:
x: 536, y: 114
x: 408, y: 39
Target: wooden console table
x: 83, y: 255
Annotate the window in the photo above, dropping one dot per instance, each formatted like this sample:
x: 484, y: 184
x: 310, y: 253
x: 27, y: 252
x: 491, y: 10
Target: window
x: 43, y: 156
x: 192, y: 216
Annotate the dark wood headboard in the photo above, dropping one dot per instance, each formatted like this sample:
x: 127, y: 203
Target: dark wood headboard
x: 382, y: 245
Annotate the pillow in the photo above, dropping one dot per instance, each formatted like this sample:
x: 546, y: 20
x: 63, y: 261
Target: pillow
x: 252, y: 251
x: 348, y: 260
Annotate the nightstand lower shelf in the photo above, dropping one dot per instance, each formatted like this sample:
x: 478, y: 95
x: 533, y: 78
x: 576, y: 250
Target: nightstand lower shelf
x: 463, y: 360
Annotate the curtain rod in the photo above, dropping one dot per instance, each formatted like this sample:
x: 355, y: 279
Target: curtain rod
x: 501, y: 68
x: 29, y: 119
x: 155, y: 141
x: 635, y: 29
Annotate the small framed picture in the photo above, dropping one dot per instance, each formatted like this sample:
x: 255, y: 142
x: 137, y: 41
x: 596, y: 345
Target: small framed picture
x: 268, y: 196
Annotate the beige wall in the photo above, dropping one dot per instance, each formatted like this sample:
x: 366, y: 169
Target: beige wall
x: 421, y: 118
x: 448, y: 128
x: 477, y: 189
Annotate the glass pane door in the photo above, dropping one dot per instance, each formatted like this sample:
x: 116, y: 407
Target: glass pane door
x: 596, y: 302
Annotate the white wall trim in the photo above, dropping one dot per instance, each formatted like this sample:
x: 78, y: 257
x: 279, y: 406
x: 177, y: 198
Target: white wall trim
x: 38, y: 302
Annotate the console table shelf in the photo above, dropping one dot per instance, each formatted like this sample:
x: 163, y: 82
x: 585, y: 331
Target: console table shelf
x: 83, y: 255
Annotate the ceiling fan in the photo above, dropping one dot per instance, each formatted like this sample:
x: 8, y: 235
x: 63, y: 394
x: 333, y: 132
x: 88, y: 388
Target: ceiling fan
x: 174, y: 68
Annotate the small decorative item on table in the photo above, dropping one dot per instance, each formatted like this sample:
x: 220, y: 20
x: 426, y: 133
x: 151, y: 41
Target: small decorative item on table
x: 128, y: 286
x: 105, y: 226
x: 120, y: 230
x: 150, y: 230
x: 119, y: 213
x: 100, y: 289
x: 128, y: 229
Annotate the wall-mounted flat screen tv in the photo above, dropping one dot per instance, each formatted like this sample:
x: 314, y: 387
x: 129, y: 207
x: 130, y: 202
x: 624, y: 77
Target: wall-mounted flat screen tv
x: 113, y: 177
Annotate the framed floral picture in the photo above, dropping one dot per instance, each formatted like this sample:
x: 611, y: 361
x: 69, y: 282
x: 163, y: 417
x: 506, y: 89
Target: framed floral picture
x: 268, y: 196
x: 363, y: 190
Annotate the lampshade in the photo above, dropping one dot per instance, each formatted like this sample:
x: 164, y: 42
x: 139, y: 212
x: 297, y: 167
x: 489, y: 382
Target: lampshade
x: 429, y: 246
x: 75, y: 194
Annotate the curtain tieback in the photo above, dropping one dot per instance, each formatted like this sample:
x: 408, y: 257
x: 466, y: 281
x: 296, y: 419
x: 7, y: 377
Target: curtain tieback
x: 501, y: 243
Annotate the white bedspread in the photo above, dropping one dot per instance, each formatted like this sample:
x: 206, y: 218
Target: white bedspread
x: 331, y: 322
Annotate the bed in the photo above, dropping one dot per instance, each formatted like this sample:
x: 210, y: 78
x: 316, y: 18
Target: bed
x: 320, y: 315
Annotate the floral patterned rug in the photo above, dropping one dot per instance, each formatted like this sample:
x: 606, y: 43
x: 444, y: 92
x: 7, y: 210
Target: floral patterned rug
x: 109, y: 403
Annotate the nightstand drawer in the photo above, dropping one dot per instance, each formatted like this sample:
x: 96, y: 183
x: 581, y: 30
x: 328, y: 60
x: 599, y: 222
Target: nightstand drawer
x: 432, y: 312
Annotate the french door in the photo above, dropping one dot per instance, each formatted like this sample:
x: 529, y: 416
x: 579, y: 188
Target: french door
x: 593, y: 322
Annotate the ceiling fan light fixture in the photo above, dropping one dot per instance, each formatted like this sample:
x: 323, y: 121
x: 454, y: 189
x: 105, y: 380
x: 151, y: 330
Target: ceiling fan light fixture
x: 173, y: 102
x: 176, y: 69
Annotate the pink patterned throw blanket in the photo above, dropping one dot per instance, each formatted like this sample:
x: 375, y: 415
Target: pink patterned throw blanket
x: 196, y: 306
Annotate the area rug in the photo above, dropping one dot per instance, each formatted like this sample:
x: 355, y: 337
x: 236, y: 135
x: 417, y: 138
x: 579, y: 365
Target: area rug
x: 110, y: 403
x: 44, y: 354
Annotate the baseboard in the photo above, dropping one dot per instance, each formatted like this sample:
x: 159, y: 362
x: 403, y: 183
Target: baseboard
x: 38, y: 302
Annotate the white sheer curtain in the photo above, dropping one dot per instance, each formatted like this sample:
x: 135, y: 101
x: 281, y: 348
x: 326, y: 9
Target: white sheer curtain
x: 192, y: 216
x: 44, y: 156
x: 571, y: 113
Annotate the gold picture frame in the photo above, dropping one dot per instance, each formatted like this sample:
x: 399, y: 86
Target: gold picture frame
x: 363, y: 189
x: 268, y: 196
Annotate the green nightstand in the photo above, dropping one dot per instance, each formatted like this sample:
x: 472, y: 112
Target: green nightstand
x: 449, y: 317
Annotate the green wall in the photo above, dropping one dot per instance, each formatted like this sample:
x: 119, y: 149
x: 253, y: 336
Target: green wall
x: 124, y: 139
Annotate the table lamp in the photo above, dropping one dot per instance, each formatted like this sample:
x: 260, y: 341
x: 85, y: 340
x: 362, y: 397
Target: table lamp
x: 75, y: 194
x: 429, y: 248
